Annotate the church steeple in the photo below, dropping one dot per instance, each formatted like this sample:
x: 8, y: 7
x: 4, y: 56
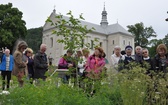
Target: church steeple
x: 104, y: 22
x: 54, y: 11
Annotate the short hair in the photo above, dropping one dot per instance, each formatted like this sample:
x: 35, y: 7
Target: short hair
x: 7, y: 50
x: 117, y: 47
x: 161, y: 47
x: 43, y: 46
x: 28, y: 50
x: 138, y: 47
x: 146, y: 50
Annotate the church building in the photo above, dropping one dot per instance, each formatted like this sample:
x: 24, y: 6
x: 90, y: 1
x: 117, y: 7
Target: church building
x: 109, y: 36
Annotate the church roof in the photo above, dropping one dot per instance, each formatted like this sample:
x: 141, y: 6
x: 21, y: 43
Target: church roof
x: 108, y: 30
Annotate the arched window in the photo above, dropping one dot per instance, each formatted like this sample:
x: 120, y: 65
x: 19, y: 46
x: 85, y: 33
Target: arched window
x: 113, y: 42
x: 51, y: 41
x: 44, y: 41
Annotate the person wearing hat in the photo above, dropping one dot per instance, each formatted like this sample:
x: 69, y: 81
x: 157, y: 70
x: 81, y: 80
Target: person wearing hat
x: 19, y: 64
x: 126, y: 59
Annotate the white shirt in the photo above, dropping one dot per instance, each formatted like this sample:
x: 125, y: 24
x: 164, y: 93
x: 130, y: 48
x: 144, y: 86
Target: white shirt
x: 81, y: 64
x: 114, y: 59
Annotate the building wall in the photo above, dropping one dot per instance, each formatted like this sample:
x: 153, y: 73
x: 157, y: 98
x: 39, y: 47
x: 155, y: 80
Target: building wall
x: 56, y: 50
x: 120, y: 40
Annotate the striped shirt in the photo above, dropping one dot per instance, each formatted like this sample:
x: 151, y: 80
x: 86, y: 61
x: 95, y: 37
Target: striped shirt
x: 7, y: 63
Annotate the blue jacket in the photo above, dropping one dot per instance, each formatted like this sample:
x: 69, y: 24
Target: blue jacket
x: 3, y: 63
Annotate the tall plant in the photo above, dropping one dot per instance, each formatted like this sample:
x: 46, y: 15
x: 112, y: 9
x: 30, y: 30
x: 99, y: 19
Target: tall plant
x: 72, y: 34
x: 72, y: 31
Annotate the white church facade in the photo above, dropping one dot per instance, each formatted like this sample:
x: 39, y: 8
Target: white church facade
x: 109, y: 36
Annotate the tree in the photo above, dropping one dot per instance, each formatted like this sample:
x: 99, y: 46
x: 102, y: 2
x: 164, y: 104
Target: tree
x: 165, y: 40
x: 154, y: 43
x: 72, y: 31
x: 34, y: 37
x: 141, y: 33
x: 12, y: 26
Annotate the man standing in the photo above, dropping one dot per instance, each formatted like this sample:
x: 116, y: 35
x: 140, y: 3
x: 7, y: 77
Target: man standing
x: 40, y: 63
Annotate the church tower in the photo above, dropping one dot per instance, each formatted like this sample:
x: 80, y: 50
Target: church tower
x: 104, y: 22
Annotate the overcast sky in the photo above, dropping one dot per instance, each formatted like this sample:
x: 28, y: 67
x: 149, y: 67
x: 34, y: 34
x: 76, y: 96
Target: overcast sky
x: 127, y: 12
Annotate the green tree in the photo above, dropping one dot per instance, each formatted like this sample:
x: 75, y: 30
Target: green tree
x: 72, y: 34
x: 34, y: 38
x: 165, y: 40
x: 72, y: 31
x: 12, y: 26
x: 154, y: 43
x: 141, y: 33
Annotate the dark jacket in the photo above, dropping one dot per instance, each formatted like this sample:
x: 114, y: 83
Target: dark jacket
x: 40, y: 65
x: 160, y: 65
x: 138, y: 58
x: 124, y: 61
x: 30, y: 66
x: 149, y: 62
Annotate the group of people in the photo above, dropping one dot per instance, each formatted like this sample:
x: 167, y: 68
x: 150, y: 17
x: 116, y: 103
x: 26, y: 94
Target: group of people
x: 87, y: 65
x: 158, y: 63
x: 23, y: 63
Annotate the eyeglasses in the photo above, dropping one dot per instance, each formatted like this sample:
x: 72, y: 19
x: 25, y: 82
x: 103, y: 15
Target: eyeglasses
x: 144, y: 52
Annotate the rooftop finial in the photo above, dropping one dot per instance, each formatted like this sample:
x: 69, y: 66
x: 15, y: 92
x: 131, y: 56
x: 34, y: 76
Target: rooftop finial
x: 54, y: 8
x: 104, y: 6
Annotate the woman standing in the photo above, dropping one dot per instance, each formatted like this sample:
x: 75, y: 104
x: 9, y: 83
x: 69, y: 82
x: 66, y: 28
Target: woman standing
x: 160, y: 62
x: 95, y: 64
x: 30, y: 64
x: 6, y: 67
x: 19, y: 64
x: 94, y: 69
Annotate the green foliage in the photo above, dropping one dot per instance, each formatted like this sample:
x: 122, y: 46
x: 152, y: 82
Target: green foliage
x: 12, y: 26
x: 154, y: 43
x: 141, y: 33
x: 129, y: 87
x: 72, y: 31
x: 165, y: 40
x: 34, y: 38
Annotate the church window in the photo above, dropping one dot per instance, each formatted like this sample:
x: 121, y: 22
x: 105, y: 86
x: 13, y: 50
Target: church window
x: 92, y: 43
x: 44, y: 40
x: 123, y: 42
x: 101, y: 44
x: 51, y: 41
x: 113, y: 42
